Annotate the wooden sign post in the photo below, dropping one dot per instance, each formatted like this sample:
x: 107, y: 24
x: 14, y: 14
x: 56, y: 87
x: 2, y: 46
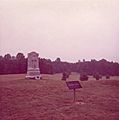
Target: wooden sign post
x: 74, y: 85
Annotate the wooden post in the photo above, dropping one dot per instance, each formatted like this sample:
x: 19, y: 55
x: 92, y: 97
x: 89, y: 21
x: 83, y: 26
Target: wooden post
x: 74, y: 95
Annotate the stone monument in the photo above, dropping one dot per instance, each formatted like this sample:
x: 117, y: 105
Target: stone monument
x: 33, y: 70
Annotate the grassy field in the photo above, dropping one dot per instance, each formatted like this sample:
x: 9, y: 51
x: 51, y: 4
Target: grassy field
x: 50, y: 99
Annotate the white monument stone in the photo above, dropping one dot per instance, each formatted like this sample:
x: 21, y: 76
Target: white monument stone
x: 33, y: 70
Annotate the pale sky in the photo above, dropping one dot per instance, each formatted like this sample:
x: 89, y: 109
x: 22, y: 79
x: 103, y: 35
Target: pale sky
x: 70, y: 29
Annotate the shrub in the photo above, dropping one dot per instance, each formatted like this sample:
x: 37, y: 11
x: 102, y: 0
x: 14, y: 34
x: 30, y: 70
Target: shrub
x: 83, y: 77
x: 97, y: 76
x: 107, y: 77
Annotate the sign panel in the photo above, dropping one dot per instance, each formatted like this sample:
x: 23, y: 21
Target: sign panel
x: 73, y: 84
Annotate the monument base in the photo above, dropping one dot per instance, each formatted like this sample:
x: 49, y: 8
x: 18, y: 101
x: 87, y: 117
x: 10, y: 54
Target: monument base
x: 33, y: 77
x: 33, y: 74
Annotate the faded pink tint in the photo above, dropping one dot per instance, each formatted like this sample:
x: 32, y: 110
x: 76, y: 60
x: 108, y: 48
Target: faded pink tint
x: 71, y: 30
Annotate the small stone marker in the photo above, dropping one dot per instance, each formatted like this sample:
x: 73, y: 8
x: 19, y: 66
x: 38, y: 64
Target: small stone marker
x: 65, y: 75
x: 73, y: 85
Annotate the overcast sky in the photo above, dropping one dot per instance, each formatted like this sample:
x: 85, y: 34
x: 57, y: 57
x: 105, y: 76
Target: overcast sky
x: 69, y: 29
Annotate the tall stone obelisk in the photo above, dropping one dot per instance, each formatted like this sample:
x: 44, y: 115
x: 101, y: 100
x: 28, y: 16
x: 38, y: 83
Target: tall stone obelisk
x: 33, y: 70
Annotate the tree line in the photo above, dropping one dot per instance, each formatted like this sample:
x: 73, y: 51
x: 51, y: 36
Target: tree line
x: 18, y: 65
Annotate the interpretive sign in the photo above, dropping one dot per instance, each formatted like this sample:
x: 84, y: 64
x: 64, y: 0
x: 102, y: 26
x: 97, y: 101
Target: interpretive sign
x: 73, y: 85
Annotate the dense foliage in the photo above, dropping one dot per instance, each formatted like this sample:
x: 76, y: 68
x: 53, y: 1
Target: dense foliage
x: 18, y: 64
x: 83, y: 77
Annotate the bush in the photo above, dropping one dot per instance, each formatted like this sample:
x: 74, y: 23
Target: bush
x: 107, y: 77
x: 83, y: 77
x: 97, y: 76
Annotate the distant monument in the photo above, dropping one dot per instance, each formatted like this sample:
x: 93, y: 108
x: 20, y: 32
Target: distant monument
x: 33, y: 70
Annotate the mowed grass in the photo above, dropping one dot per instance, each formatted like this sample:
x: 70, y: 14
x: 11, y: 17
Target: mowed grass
x: 50, y: 99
